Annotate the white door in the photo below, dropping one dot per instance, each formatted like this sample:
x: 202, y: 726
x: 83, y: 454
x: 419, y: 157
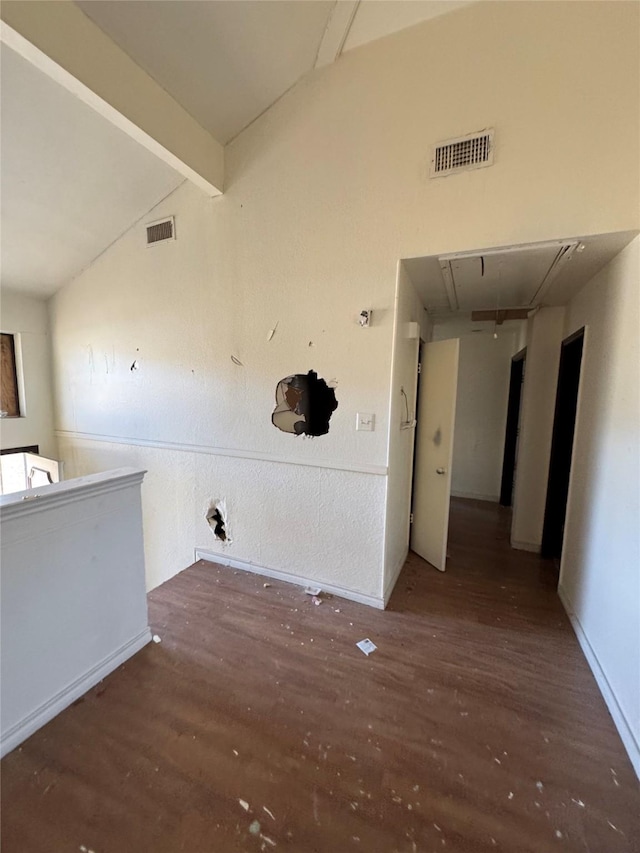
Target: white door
x: 434, y: 451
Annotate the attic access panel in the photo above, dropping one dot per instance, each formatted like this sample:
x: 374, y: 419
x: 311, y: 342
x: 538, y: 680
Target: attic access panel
x: 506, y: 278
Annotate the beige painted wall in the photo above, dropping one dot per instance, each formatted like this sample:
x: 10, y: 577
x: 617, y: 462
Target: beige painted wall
x: 325, y: 192
x: 481, y: 414
x: 600, y: 572
x: 544, y: 341
x: 27, y: 318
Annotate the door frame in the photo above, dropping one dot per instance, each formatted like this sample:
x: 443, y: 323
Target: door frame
x: 562, y: 447
x: 509, y: 458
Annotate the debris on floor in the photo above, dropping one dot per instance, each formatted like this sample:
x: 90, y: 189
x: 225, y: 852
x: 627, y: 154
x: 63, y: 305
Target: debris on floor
x: 156, y: 638
x: 254, y: 827
x: 313, y: 590
x: 366, y: 646
x: 317, y: 601
x: 266, y: 585
x: 244, y: 804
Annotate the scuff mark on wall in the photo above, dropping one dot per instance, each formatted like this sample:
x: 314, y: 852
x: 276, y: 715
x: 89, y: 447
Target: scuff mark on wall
x: 304, y: 405
x: 217, y: 520
x: 236, y: 361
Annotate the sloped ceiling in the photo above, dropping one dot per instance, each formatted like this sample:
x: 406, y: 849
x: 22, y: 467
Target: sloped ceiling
x: 71, y: 182
x: 226, y: 61
x: 378, y: 18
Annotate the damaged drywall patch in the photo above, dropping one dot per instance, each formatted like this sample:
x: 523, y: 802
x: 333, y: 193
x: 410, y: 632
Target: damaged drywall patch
x: 304, y: 404
x: 217, y: 520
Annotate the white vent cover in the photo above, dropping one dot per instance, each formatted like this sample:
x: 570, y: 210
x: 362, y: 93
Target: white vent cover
x: 161, y: 231
x: 474, y: 151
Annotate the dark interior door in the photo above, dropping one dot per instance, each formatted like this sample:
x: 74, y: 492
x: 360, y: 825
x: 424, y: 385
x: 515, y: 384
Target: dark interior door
x: 511, y: 432
x: 562, y: 445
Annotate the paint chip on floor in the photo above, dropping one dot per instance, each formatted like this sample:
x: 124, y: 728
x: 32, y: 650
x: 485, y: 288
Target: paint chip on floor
x: 156, y: 638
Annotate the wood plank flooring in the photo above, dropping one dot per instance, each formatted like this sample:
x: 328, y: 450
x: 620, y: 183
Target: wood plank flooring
x: 257, y: 725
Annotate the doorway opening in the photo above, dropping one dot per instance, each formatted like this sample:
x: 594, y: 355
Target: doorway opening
x: 512, y: 430
x: 498, y: 291
x: 562, y: 445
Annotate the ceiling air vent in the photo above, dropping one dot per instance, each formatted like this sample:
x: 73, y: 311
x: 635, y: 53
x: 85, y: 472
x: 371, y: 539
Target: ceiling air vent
x: 160, y: 231
x: 465, y: 152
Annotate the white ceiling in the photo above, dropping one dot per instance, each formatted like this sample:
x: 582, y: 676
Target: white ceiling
x: 511, y: 277
x: 224, y: 62
x: 378, y: 18
x: 71, y: 182
x: 227, y: 61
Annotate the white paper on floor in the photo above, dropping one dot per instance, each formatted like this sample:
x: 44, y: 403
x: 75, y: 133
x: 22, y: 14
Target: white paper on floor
x: 366, y: 646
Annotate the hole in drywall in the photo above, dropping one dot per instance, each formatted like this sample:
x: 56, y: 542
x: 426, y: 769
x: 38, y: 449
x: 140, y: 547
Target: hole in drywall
x: 304, y: 405
x: 217, y: 521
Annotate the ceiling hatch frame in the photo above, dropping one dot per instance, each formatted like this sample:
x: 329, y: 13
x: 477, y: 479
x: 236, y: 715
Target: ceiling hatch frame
x: 565, y: 250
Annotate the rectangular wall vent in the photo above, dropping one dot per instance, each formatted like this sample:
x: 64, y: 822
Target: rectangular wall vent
x: 465, y: 152
x: 160, y: 231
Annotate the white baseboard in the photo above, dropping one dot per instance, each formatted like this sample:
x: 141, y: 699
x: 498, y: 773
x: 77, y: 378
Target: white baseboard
x: 476, y: 497
x: 390, y: 585
x: 622, y: 724
x: 21, y: 730
x: 332, y: 589
x: 533, y: 547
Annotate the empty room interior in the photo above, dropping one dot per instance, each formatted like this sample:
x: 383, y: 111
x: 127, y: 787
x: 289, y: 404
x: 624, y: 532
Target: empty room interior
x: 320, y: 430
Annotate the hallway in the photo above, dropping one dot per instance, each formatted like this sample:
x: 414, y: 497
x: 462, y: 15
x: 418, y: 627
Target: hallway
x: 257, y: 724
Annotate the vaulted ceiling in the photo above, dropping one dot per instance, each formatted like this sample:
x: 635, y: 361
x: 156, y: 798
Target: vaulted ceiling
x: 226, y: 61
x: 72, y: 182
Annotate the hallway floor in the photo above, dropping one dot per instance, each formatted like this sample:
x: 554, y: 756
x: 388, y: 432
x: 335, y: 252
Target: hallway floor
x: 257, y: 724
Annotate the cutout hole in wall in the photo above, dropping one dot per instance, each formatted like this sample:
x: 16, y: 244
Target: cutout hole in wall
x: 217, y: 521
x: 304, y: 405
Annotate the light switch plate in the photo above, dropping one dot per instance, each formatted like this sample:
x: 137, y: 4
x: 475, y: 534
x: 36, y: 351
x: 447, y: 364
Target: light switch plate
x: 365, y: 422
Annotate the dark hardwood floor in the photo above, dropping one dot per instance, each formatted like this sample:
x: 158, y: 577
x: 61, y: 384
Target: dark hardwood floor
x: 257, y: 724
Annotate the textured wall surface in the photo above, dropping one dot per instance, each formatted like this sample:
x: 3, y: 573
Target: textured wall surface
x: 324, y: 194
x: 600, y: 573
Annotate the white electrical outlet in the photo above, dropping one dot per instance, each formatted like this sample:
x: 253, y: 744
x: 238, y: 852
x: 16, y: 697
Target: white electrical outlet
x: 365, y: 422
